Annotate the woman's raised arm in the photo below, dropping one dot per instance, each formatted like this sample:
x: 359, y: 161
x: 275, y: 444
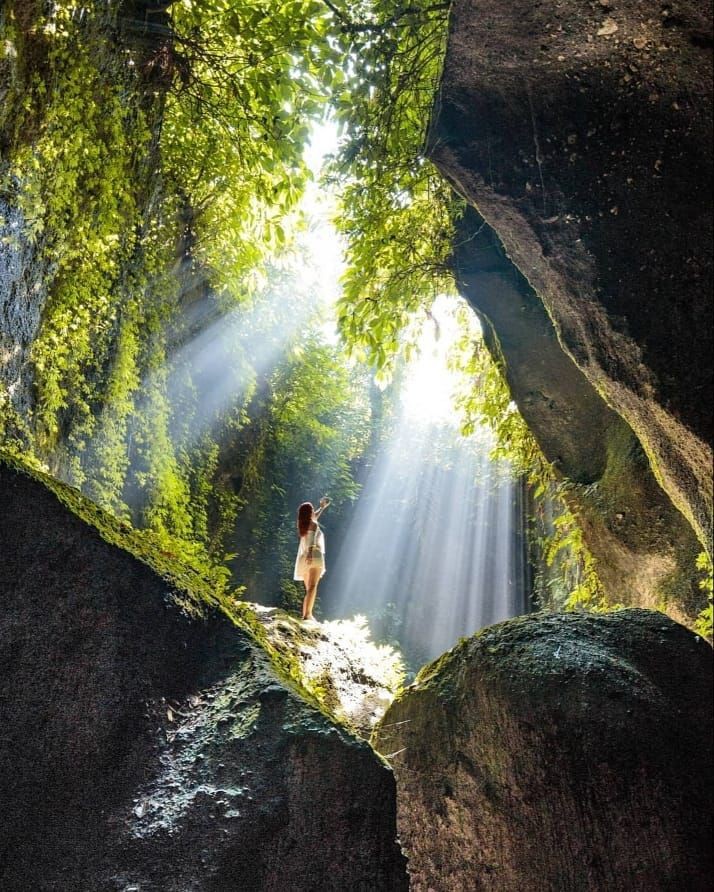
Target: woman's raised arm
x: 324, y: 502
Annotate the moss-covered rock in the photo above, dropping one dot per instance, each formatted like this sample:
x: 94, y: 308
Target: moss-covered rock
x: 566, y: 751
x: 644, y: 548
x: 147, y: 746
x: 350, y: 675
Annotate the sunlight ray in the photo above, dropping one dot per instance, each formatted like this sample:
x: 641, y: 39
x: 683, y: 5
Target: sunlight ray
x: 433, y: 541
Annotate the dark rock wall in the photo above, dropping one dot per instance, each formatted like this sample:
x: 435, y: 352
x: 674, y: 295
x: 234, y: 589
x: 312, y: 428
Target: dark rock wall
x: 644, y: 547
x: 582, y: 132
x: 567, y: 751
x: 141, y: 748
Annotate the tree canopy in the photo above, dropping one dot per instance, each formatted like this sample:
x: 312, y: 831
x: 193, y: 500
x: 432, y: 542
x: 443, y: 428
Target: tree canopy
x: 154, y: 159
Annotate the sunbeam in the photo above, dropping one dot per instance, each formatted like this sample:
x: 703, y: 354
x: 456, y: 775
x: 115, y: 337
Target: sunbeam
x: 435, y: 542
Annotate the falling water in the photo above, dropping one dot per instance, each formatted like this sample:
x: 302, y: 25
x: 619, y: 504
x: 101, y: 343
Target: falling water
x: 435, y: 545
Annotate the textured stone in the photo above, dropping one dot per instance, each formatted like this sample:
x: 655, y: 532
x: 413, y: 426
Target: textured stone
x: 25, y: 277
x: 145, y: 749
x: 566, y: 751
x: 354, y: 678
x: 644, y: 548
x: 586, y: 148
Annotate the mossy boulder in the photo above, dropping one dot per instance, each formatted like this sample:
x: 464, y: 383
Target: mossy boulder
x: 350, y: 675
x: 565, y: 751
x: 146, y: 746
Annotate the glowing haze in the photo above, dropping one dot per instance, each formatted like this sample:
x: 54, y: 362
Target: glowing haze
x: 433, y: 549
x: 435, y: 546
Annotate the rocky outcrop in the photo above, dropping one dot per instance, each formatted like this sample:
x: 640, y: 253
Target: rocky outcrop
x: 567, y: 751
x: 144, y: 747
x: 354, y: 678
x: 24, y: 280
x: 644, y: 548
x: 582, y: 134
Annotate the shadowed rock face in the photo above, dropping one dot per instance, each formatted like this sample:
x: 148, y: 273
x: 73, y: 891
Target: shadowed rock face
x: 644, y: 547
x: 143, y: 749
x: 581, y: 132
x: 558, y: 752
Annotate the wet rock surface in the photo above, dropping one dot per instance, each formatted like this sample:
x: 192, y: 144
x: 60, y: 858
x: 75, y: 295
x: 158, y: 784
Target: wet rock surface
x: 143, y: 749
x: 582, y: 134
x: 566, y: 751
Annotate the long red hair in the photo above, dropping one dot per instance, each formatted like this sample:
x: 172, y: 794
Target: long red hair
x: 304, y: 517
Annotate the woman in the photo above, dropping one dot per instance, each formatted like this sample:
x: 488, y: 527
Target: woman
x: 310, y: 561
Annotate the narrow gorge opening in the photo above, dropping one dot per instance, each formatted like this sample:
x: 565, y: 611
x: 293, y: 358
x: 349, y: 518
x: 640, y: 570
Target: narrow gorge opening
x: 435, y: 548
x: 402, y: 256
x: 428, y: 534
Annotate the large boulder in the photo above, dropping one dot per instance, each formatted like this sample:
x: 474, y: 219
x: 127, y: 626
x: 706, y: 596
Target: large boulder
x: 562, y: 751
x: 146, y: 747
x: 581, y: 132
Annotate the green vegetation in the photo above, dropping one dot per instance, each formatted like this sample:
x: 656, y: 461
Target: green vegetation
x: 399, y: 216
x: 197, y: 588
x: 244, y: 81
x: 198, y: 584
x: 703, y: 625
x: 345, y: 670
x: 311, y: 425
x: 156, y: 160
x: 163, y: 172
x: 397, y: 212
x: 568, y: 576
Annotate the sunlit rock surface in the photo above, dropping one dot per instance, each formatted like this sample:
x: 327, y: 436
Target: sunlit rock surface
x: 145, y: 750
x: 566, y: 751
x: 354, y: 678
x: 582, y: 133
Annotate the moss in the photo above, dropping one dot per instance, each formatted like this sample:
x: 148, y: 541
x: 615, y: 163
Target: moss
x: 705, y: 619
x: 681, y: 587
x: 193, y: 589
x: 699, y: 525
x: 321, y: 696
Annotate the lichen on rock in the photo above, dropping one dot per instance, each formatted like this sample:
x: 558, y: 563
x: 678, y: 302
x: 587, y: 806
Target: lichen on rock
x: 352, y: 677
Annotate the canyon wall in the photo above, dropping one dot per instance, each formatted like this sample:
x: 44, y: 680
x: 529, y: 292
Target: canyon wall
x: 565, y: 751
x: 581, y: 135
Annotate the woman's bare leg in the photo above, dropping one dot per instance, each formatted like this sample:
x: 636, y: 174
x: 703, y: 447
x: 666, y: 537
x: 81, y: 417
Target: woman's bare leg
x: 307, y: 595
x: 311, y: 581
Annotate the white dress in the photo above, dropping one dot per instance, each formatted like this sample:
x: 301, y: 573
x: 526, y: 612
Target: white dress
x: 310, y: 539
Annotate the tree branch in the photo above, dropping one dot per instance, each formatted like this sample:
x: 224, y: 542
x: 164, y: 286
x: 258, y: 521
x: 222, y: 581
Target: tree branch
x: 369, y: 27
